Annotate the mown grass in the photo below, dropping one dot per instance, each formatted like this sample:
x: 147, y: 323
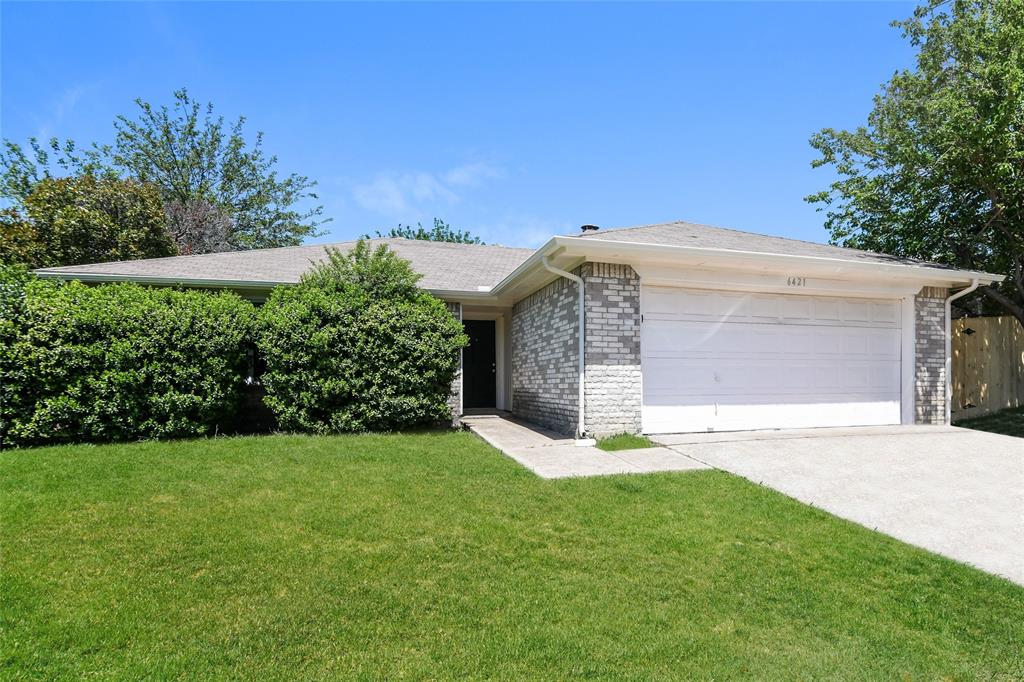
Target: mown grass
x: 1007, y: 422
x: 624, y: 441
x: 433, y: 556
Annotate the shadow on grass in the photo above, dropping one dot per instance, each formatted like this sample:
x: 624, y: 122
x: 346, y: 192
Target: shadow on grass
x: 1007, y: 422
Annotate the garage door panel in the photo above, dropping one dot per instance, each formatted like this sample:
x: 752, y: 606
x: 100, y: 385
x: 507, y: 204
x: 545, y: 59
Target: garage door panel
x: 887, y: 312
x: 796, y: 309
x: 669, y: 303
x: 752, y: 376
x: 827, y: 310
x: 751, y: 416
x: 668, y: 338
x: 721, y: 360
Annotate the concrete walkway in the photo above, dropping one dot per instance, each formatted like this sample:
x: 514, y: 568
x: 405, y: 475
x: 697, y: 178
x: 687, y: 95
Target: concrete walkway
x: 552, y: 455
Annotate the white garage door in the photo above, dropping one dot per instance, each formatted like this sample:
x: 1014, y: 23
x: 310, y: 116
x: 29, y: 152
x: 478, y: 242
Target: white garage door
x: 727, y: 361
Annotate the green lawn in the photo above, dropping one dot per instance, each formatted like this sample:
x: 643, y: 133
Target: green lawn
x: 433, y: 556
x: 1009, y: 422
x: 624, y: 441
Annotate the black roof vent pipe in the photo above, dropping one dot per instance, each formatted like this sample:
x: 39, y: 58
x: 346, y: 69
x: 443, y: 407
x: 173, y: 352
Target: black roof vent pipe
x: 589, y: 228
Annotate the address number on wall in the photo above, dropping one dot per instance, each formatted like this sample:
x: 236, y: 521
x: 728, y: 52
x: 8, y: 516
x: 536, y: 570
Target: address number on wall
x: 796, y: 281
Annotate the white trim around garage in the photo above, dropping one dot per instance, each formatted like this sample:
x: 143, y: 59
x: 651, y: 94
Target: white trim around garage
x: 908, y: 361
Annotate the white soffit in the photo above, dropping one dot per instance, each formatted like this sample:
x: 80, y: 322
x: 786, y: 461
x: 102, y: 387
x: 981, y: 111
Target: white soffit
x: 637, y: 254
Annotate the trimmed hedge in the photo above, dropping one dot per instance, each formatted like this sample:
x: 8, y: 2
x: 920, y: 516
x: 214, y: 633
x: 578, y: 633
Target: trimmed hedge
x: 356, y: 346
x: 117, y: 361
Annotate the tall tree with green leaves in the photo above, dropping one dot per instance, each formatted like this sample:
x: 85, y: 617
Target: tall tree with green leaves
x: 938, y: 171
x: 441, y: 232
x: 69, y: 221
x: 194, y: 158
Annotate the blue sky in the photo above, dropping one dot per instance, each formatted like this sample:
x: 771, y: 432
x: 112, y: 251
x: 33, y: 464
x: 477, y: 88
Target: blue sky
x: 513, y: 121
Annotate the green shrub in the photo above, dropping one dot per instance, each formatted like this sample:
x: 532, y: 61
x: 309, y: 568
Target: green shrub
x: 13, y: 280
x: 356, y: 346
x: 117, y: 361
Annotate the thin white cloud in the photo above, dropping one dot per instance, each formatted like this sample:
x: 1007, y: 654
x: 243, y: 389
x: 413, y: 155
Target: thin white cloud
x: 382, y: 195
x: 398, y: 195
x: 522, y: 230
x: 424, y: 187
x: 63, y: 106
x: 472, y: 174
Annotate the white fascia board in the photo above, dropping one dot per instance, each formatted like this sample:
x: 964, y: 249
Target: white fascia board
x: 460, y: 296
x: 534, y: 262
x: 446, y: 294
x: 630, y: 252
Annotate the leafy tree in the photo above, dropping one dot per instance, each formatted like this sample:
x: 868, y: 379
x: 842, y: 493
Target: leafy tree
x: 193, y: 157
x: 198, y: 227
x: 69, y: 221
x: 20, y: 243
x: 938, y: 171
x: 21, y: 170
x: 441, y: 232
x: 357, y: 346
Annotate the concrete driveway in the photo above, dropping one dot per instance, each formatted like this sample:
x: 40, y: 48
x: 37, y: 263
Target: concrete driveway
x: 953, y: 491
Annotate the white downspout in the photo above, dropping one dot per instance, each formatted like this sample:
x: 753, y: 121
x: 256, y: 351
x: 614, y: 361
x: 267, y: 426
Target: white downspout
x: 975, y: 283
x: 582, y: 329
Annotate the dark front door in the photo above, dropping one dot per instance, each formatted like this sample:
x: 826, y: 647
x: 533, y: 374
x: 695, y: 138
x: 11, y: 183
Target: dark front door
x: 478, y: 365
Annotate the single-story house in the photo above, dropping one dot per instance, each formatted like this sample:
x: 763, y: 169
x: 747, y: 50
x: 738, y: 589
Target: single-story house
x: 663, y: 328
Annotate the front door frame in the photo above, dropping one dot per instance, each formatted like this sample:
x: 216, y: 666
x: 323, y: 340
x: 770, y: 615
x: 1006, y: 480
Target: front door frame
x: 499, y: 352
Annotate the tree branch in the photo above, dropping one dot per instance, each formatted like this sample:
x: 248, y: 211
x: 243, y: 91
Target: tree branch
x: 1004, y: 301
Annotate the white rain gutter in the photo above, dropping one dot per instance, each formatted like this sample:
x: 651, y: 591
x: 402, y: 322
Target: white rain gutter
x: 582, y: 328
x: 975, y: 283
x: 161, y: 281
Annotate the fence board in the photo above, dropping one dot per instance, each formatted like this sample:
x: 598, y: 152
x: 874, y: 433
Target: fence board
x: 988, y: 365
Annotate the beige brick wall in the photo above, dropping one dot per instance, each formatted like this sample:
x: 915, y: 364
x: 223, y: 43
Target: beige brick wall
x: 930, y: 356
x: 612, y: 389
x: 545, y: 380
x: 545, y: 360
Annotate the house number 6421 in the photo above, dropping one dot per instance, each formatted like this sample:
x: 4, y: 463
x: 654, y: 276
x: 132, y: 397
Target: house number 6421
x: 796, y: 282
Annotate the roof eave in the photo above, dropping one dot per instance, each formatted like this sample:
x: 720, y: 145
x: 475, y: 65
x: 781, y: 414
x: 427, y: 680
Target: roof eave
x: 482, y: 296
x: 160, y: 281
x: 712, y: 257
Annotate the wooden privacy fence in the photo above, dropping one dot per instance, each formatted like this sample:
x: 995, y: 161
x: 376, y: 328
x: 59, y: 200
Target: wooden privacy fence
x: 988, y: 365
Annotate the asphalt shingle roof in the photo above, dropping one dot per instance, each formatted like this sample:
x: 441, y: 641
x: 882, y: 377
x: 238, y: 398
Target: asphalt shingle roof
x: 453, y: 267
x: 461, y: 267
x: 680, y: 233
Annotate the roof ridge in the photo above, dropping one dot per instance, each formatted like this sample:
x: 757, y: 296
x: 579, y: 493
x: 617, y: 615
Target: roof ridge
x: 458, y: 244
x: 756, y: 234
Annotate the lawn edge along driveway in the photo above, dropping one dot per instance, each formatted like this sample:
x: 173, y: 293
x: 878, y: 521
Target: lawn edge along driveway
x: 431, y: 555
x: 953, y: 491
